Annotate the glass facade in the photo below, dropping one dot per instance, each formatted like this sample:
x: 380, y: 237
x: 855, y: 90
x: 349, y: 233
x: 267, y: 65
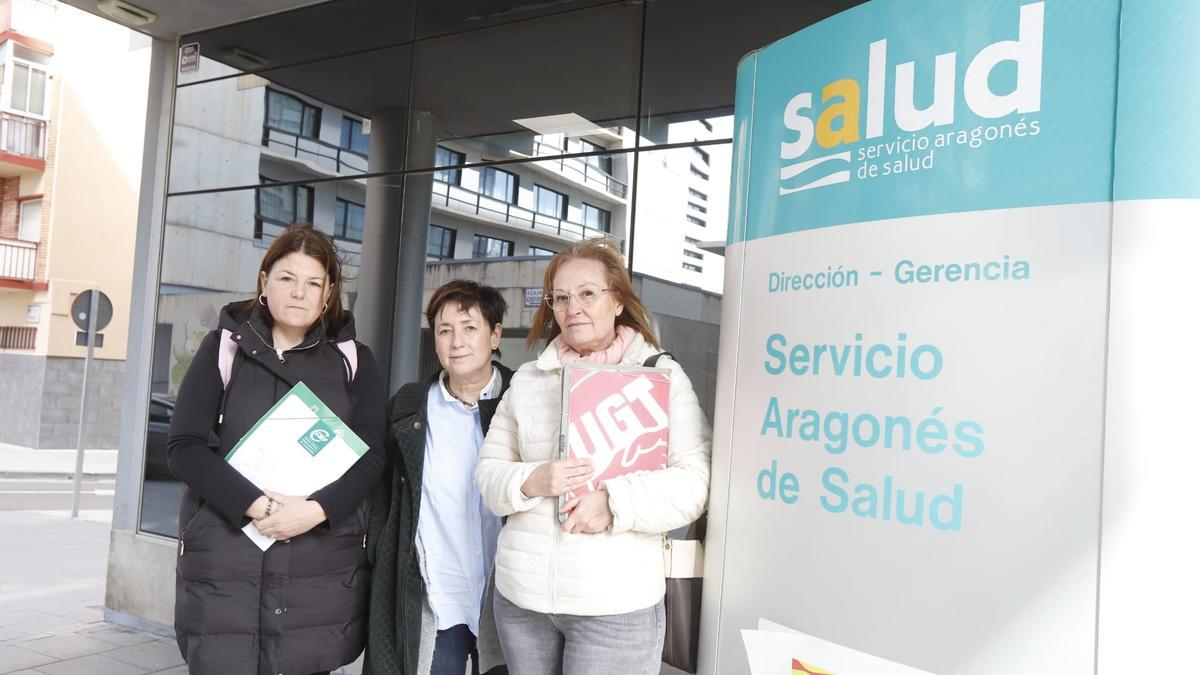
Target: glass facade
x: 499, y: 137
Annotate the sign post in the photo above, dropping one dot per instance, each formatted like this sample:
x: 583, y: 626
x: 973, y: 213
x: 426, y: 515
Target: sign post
x: 91, y: 312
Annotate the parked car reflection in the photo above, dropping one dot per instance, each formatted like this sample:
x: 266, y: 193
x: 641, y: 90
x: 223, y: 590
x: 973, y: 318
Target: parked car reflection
x: 159, y: 426
x: 160, y: 490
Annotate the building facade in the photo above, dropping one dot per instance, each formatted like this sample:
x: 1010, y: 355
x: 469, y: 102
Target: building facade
x: 70, y: 158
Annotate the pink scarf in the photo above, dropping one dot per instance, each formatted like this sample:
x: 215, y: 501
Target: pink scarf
x: 612, y: 355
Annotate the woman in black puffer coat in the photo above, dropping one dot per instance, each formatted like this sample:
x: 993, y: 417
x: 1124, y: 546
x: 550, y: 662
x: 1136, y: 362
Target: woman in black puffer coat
x: 300, y: 606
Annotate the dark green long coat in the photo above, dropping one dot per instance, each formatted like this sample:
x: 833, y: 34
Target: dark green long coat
x: 397, y: 588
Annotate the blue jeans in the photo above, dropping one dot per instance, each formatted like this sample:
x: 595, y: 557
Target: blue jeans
x: 566, y: 644
x: 451, y: 649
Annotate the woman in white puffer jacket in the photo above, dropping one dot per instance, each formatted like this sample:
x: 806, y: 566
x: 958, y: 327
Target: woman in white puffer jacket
x: 585, y: 596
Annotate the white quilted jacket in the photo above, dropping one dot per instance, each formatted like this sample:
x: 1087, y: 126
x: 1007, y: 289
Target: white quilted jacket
x: 541, y: 568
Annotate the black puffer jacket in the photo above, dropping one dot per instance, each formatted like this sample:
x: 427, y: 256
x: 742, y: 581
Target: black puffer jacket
x: 300, y: 606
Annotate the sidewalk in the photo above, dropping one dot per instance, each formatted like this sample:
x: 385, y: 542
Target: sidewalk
x: 21, y: 462
x: 52, y: 575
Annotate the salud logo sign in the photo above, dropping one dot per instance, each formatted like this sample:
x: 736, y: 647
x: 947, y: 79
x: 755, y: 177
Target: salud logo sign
x: 839, y: 126
x: 316, y: 438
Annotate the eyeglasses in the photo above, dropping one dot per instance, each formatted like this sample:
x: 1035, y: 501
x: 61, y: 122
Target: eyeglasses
x: 587, y: 296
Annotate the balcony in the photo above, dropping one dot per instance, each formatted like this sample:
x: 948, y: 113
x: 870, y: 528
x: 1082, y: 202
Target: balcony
x: 18, y: 260
x: 24, y: 137
x: 578, y: 170
x: 461, y: 200
x: 319, y: 155
x: 30, y: 22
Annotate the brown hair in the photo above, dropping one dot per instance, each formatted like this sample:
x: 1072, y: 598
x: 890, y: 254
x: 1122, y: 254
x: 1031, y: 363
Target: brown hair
x: 468, y: 295
x: 608, y: 253
x: 304, y: 238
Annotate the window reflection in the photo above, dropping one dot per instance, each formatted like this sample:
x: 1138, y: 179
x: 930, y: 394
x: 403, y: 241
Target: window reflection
x: 283, y: 205
x: 288, y: 113
x: 499, y: 184
x: 549, y: 202
x: 444, y: 156
x: 491, y: 247
x: 597, y: 218
x: 441, y: 243
x: 353, y: 138
x: 349, y: 220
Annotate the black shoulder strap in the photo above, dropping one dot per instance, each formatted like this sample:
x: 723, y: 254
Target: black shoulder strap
x: 652, y: 360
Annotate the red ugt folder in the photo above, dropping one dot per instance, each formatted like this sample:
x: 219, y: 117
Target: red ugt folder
x: 617, y: 416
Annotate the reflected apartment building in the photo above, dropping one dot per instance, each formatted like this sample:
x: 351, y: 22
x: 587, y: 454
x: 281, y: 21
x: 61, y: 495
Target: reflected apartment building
x: 308, y: 158
x: 495, y: 223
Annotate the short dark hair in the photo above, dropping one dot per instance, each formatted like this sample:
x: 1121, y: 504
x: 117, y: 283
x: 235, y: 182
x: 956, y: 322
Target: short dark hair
x: 303, y: 238
x: 468, y: 295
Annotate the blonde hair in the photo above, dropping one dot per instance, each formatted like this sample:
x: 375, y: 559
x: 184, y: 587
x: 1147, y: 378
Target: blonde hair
x: 608, y: 253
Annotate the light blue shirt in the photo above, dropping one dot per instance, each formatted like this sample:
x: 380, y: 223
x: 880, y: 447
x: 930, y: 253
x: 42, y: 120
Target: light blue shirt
x: 456, y: 533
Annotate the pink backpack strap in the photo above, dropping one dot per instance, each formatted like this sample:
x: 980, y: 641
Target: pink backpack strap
x: 350, y: 351
x: 226, y: 351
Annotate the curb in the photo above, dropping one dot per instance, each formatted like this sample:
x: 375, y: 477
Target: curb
x: 54, y: 475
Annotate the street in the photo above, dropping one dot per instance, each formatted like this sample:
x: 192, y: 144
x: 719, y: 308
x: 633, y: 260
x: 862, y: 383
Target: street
x: 54, y: 494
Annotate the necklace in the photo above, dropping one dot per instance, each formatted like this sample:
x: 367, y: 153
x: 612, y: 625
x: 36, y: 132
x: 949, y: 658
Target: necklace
x: 470, y: 405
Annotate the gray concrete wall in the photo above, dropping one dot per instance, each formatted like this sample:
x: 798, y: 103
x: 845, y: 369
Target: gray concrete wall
x: 20, y: 398
x: 694, y: 346
x: 141, y: 578
x: 688, y: 324
x: 58, y: 424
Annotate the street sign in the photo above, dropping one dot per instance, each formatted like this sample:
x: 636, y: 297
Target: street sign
x: 82, y: 341
x: 189, y: 58
x: 533, y: 297
x: 91, y: 311
x: 82, y: 305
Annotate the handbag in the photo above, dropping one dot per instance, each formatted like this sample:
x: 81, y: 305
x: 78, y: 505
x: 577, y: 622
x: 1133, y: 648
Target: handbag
x: 684, y: 563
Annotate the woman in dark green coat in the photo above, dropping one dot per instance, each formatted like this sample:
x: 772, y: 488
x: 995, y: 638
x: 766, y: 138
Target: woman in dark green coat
x: 431, y: 540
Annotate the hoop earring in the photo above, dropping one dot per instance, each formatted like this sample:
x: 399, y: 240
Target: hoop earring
x: 325, y: 308
x: 262, y: 299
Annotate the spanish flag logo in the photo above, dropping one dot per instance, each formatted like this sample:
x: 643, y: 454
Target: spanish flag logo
x: 801, y: 668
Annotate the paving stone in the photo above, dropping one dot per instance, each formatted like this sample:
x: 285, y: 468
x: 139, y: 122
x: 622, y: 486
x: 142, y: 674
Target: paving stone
x: 14, y: 658
x: 42, y: 624
x: 66, y: 646
x: 69, y: 628
x: 80, y: 614
x: 12, y: 617
x: 156, y: 654
x: 7, y: 634
x: 177, y: 670
x: 120, y: 637
x: 96, y: 664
